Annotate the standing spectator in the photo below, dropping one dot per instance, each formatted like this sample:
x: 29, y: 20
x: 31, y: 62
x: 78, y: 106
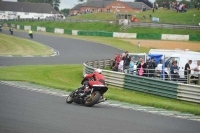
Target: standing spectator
x: 112, y: 63
x: 140, y: 60
x: 187, y: 68
x: 144, y: 17
x: 150, y: 16
x: 171, y: 62
x: 151, y: 66
x: 120, y: 66
x: 117, y: 58
x: 127, y: 60
x: 141, y: 68
x: 115, y: 62
x: 153, y: 10
x: 156, y: 6
x: 197, y: 72
x: 132, y: 66
x: 174, y: 71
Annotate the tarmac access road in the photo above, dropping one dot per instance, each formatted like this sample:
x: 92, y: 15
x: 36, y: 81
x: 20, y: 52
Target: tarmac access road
x: 24, y: 111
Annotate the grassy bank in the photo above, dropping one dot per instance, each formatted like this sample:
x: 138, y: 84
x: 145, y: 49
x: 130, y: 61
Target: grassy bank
x: 11, y: 45
x: 98, y: 26
x: 165, y: 16
x: 68, y: 77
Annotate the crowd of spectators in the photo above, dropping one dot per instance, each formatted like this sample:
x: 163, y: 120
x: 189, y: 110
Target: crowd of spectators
x: 58, y: 16
x: 177, y: 6
x: 126, y: 64
x: 91, y: 10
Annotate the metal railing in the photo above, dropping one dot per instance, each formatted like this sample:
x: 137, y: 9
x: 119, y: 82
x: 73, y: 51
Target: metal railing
x: 59, y: 20
x: 145, y: 84
x: 157, y: 25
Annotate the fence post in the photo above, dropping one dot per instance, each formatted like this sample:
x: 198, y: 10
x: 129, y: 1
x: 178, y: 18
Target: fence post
x: 99, y: 64
x: 188, y: 79
x: 104, y: 64
x: 93, y: 63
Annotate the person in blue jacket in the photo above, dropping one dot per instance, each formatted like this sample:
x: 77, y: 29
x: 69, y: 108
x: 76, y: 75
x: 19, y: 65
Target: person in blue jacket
x: 174, y: 71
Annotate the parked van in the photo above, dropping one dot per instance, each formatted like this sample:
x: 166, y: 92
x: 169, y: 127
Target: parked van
x: 182, y: 57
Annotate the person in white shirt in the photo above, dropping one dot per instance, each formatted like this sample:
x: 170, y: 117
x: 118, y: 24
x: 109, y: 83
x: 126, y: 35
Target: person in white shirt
x: 120, y: 66
x: 197, y: 71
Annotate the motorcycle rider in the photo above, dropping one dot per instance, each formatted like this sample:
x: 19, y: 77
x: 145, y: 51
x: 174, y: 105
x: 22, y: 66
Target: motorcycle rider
x: 11, y: 30
x: 94, y: 78
x: 0, y: 27
x: 30, y: 32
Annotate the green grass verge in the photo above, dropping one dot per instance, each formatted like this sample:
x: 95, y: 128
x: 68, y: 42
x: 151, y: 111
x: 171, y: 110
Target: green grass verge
x: 98, y: 26
x: 165, y: 16
x: 11, y: 45
x: 68, y: 77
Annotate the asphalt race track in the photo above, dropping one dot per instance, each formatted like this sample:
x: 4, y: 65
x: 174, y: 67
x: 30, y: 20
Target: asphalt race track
x: 24, y: 111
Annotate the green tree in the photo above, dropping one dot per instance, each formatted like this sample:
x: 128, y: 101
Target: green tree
x: 65, y: 11
x: 56, y: 4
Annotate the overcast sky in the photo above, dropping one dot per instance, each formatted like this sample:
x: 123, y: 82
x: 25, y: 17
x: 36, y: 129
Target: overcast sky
x: 69, y: 3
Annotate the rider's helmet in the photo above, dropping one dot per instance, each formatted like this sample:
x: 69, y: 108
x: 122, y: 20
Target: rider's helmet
x: 98, y: 70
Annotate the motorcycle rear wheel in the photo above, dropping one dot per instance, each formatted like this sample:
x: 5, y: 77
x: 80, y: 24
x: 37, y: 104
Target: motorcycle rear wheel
x: 93, y: 99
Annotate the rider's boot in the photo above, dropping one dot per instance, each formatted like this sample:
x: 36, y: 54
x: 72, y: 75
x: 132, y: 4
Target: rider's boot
x: 102, y: 99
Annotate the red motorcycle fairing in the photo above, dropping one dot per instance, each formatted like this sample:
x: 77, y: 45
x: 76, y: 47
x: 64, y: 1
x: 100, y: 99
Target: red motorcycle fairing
x: 101, y: 88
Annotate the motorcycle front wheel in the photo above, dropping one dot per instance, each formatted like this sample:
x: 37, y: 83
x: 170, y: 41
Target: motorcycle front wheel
x: 93, y: 99
x: 69, y: 99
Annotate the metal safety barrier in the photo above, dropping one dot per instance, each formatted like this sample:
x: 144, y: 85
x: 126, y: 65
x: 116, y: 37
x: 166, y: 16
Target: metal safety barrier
x: 58, y: 20
x: 157, y: 25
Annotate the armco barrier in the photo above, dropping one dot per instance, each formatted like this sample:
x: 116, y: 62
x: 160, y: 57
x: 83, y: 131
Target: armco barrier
x: 27, y: 27
x: 18, y: 26
x: 49, y: 29
x: 21, y: 27
x: 189, y: 93
x: 95, y: 33
x: 158, y: 87
x: 150, y: 85
x: 41, y: 29
x: 149, y: 36
x: 75, y: 32
x: 194, y: 38
x: 68, y: 32
x: 175, y: 37
x: 124, y: 35
x: 34, y: 28
x: 59, y: 31
x: 13, y: 25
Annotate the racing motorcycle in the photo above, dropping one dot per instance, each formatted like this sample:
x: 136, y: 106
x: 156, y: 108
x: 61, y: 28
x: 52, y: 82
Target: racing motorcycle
x: 88, y: 97
x: 31, y: 35
x: 11, y: 31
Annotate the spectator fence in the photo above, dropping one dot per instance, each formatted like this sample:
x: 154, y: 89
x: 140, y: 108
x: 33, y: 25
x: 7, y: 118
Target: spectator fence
x: 157, y: 25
